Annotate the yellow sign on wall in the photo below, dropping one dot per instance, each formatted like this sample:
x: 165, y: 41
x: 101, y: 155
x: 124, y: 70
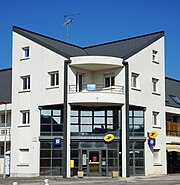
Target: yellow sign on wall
x: 72, y: 163
x: 108, y: 138
x: 153, y: 134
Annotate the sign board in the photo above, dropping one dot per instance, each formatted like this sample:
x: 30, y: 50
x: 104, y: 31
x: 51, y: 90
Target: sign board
x: 91, y: 87
x: 71, y: 163
x: 153, y: 134
x: 108, y: 138
x: 57, y: 141
x: 152, y: 142
x: 84, y: 159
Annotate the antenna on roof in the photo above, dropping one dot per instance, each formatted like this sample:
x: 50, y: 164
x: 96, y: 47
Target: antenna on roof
x: 69, y: 19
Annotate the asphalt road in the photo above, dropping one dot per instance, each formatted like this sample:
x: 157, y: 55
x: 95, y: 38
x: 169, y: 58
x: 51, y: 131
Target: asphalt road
x: 155, y: 180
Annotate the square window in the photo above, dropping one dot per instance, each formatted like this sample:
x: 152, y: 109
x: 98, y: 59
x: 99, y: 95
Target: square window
x: 25, y: 82
x: 25, y: 117
x: 23, y: 156
x: 155, y: 117
x: 25, y: 52
x: 134, y: 80
x: 54, y: 78
x: 154, y: 84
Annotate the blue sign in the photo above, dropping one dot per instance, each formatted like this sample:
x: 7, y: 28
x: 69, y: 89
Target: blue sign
x: 57, y: 141
x: 152, y: 142
x: 91, y: 87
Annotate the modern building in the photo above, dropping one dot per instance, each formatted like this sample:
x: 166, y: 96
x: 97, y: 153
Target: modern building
x: 71, y: 106
x: 173, y: 125
x: 5, y: 117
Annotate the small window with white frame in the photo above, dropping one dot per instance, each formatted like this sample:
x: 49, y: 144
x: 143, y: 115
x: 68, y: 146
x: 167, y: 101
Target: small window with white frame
x: 2, y: 118
x: 24, y: 156
x: 134, y: 80
x: 155, y: 56
x: 25, y: 52
x: 25, y: 117
x: 54, y: 78
x: 157, y: 156
x: 26, y: 82
x: 155, y: 118
x: 109, y: 80
x: 155, y: 88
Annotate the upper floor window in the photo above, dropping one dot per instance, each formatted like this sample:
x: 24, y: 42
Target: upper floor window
x: 54, y: 78
x: 155, y: 56
x: 134, y: 80
x: 25, y: 52
x: 25, y: 117
x: 26, y: 82
x: 109, y: 80
x: 155, y: 85
x: 155, y: 118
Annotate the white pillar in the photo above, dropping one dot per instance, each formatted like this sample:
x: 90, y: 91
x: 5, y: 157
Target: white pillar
x: 68, y: 140
x: 123, y: 141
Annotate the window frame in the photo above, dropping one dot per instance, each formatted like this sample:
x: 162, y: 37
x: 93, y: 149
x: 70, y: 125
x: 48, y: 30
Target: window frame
x: 26, y: 82
x: 155, y: 118
x: 25, y: 117
x: 26, y: 52
x: 155, y: 87
x: 134, y: 80
x: 53, y: 78
x: 111, y: 78
x: 155, y: 56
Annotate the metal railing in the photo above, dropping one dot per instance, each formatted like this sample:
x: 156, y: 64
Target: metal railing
x: 89, y: 88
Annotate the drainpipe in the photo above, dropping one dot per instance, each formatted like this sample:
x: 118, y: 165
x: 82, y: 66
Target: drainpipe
x: 65, y: 129
x: 126, y: 65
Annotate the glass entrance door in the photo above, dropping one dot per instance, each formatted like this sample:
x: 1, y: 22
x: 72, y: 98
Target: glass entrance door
x: 136, y: 153
x: 94, y: 164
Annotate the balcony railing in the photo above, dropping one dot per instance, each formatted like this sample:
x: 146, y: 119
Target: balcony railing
x: 172, y: 129
x: 88, y: 88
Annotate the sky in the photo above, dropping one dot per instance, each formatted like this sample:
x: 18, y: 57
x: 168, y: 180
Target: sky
x: 95, y: 22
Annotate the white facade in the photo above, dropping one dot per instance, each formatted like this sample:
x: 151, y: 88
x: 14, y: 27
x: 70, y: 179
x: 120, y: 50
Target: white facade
x: 42, y: 62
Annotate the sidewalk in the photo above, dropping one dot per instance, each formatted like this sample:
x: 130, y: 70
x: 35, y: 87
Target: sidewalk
x: 154, y: 179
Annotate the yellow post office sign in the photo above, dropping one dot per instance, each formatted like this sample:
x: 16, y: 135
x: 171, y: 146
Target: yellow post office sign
x: 153, y: 134
x: 108, y: 138
x: 71, y: 163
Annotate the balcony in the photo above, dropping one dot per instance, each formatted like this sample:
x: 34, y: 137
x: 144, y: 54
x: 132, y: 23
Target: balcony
x: 96, y: 88
x: 172, y: 129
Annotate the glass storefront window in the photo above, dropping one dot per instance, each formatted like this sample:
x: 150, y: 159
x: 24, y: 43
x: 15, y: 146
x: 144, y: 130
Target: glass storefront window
x: 86, y: 120
x: 86, y: 113
x: 86, y: 128
x: 99, y: 113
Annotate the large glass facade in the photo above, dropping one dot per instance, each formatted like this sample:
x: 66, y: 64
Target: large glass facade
x: 51, y: 156
x: 94, y: 121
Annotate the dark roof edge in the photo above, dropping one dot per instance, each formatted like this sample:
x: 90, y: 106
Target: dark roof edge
x: 172, y: 79
x: 162, y: 33
x: 19, y: 31
x: 172, y: 106
x: 7, y: 69
x: 143, y: 46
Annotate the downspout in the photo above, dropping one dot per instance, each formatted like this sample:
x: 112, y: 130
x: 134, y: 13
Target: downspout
x: 65, y: 129
x: 126, y: 65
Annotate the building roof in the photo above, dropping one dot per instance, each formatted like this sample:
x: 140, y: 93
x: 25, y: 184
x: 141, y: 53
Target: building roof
x: 172, y: 87
x: 5, y: 85
x: 122, y: 48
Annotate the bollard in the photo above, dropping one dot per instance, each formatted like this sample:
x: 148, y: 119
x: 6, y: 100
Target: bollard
x: 15, y: 183
x: 46, y: 182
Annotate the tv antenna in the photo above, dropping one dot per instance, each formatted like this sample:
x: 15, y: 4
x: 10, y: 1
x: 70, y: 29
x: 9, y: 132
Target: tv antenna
x: 69, y: 19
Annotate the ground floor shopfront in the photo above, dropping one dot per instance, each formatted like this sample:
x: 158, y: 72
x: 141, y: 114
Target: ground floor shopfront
x: 90, y: 152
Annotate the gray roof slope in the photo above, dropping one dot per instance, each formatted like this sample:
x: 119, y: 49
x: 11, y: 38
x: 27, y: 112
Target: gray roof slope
x: 62, y: 48
x: 125, y: 48
x: 5, y: 85
x: 122, y: 48
x: 172, y: 87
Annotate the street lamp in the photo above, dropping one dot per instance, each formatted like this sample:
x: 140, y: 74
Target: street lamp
x: 5, y: 125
